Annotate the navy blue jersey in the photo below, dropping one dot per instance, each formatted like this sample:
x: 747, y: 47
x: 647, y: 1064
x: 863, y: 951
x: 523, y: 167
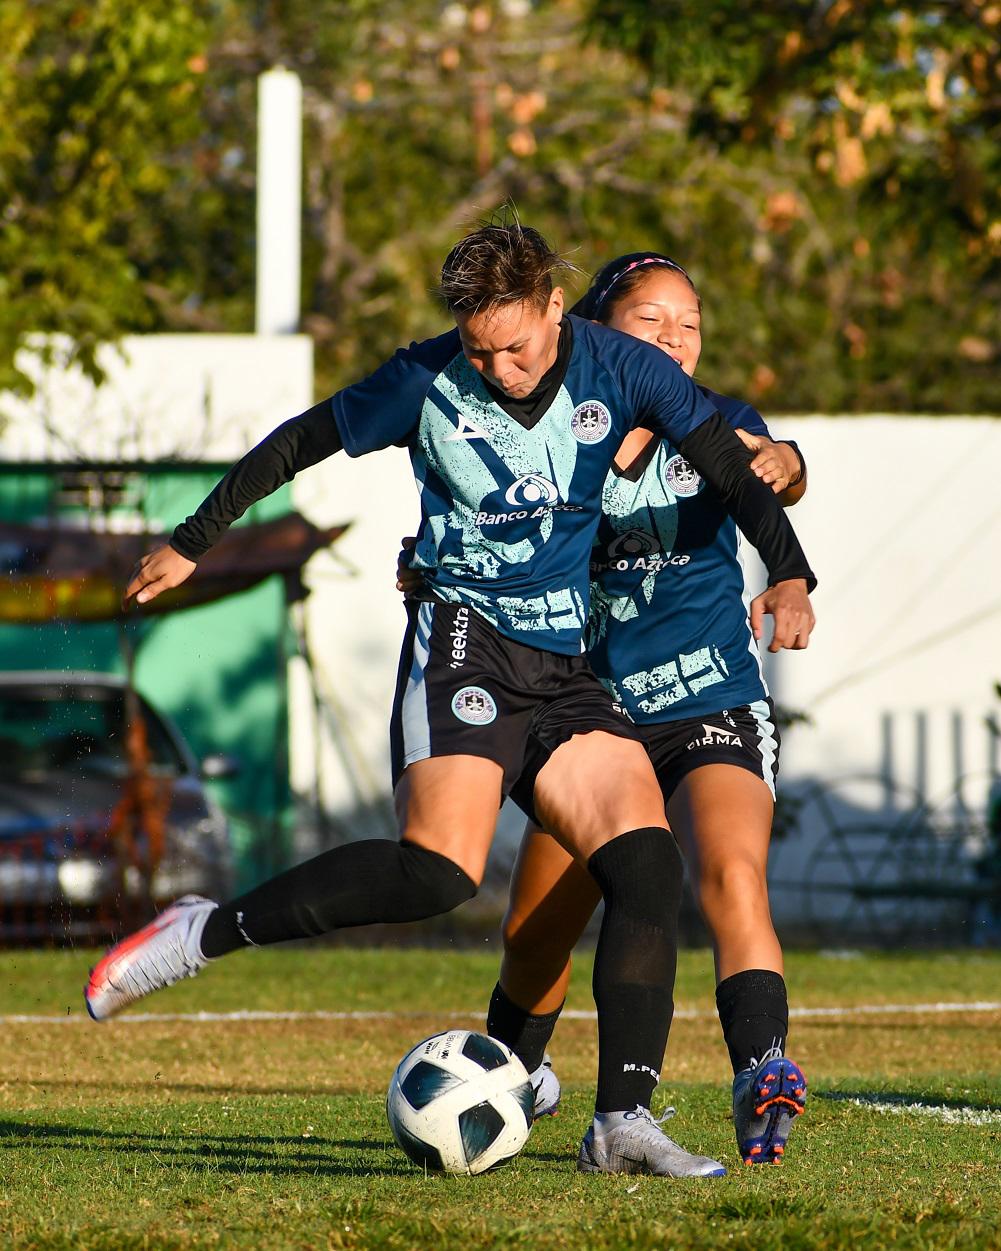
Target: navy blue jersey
x: 669, y: 633
x: 509, y: 510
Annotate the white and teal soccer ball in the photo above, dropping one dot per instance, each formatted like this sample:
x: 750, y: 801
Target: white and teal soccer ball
x: 460, y: 1102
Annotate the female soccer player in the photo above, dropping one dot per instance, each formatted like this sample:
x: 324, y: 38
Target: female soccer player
x: 669, y: 636
x: 512, y: 419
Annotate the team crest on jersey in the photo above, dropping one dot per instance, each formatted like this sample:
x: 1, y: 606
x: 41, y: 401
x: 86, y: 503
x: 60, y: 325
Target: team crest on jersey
x: 681, y: 477
x: 590, y: 422
x: 474, y: 705
x: 531, y: 489
x: 632, y: 543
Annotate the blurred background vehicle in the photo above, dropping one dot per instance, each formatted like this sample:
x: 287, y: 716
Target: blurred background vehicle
x: 103, y: 813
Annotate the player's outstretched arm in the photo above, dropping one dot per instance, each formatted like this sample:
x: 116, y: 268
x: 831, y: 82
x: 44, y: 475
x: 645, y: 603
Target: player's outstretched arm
x: 296, y: 444
x: 161, y: 570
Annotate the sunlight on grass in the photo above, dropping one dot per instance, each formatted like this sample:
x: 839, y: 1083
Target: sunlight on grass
x: 272, y: 1133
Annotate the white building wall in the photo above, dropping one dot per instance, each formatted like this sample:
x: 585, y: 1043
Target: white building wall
x: 198, y: 397
x: 902, y: 523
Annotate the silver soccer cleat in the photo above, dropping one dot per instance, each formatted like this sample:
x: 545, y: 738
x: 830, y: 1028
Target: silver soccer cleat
x: 633, y: 1142
x: 160, y: 954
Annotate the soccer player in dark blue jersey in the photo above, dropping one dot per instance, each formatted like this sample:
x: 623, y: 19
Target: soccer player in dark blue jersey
x: 671, y: 637
x: 511, y: 419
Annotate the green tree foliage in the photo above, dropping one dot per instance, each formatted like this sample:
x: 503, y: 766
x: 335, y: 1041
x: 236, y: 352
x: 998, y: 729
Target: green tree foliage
x: 827, y: 172
x: 863, y: 144
x: 97, y: 99
x: 420, y: 119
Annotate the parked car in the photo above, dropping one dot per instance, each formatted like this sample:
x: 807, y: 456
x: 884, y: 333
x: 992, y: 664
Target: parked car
x: 71, y: 866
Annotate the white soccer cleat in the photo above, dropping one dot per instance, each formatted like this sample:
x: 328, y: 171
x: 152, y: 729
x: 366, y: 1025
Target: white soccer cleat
x: 633, y: 1142
x: 546, y: 1088
x: 158, y: 955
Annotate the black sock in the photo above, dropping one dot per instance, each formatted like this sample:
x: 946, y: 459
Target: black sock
x: 361, y: 883
x: 526, y: 1033
x: 640, y: 874
x: 754, y: 1012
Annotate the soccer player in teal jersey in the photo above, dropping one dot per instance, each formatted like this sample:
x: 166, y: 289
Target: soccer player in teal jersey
x: 670, y: 637
x: 511, y: 420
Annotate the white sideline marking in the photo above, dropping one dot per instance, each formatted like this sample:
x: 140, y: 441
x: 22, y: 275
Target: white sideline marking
x: 939, y: 1112
x: 860, y: 1009
x: 572, y: 1014
x: 882, y: 1009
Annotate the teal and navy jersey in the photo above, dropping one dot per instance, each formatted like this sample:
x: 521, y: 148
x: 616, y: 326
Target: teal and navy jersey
x: 668, y: 633
x: 509, y: 508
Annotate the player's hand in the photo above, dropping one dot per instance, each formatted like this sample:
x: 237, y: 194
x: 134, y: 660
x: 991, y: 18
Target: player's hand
x: 407, y: 580
x: 774, y: 463
x: 789, y: 604
x: 161, y: 570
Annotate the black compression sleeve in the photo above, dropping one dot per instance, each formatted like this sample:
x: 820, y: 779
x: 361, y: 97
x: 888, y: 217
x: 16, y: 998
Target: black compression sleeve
x: 715, y: 451
x: 296, y: 444
x: 365, y: 882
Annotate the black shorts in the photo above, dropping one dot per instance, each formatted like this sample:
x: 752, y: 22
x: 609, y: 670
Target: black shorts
x: 746, y: 736
x: 465, y: 689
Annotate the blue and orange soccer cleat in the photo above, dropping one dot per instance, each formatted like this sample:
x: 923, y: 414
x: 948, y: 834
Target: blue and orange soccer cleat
x: 158, y: 955
x: 767, y: 1098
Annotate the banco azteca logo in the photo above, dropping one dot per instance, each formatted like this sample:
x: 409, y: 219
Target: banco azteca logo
x: 681, y: 477
x: 632, y: 543
x: 531, y: 489
x: 474, y: 705
x: 590, y: 422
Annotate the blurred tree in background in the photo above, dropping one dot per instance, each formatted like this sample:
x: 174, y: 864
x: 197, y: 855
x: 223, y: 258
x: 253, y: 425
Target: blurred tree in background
x: 864, y: 140
x: 828, y: 172
x: 97, y: 102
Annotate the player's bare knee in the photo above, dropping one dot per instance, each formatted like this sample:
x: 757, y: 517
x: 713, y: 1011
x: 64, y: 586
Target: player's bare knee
x: 514, y: 932
x: 731, y: 886
x: 606, y: 810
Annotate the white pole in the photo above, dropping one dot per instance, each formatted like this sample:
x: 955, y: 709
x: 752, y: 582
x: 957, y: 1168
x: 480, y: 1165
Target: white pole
x: 279, y: 182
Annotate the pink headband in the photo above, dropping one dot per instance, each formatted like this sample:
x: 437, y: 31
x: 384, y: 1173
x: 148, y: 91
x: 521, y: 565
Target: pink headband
x: 646, y: 260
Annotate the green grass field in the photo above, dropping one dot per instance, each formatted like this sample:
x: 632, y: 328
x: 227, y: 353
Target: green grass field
x: 271, y: 1133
